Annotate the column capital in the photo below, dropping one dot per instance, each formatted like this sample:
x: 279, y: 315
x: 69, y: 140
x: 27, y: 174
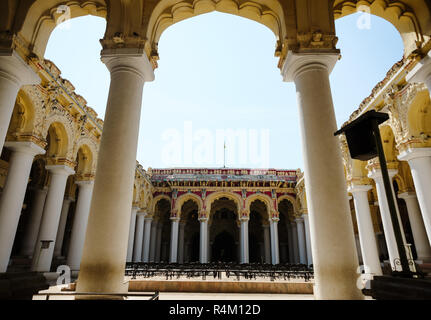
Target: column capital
x: 414, y: 153
x: 175, y: 219
x: 297, y: 63
x: 128, y: 59
x: 60, y: 169
x: 407, y: 195
x: 203, y: 219
x: 136, y: 208
x: 244, y: 218
x: 353, y: 188
x: 13, y: 67
x: 274, y: 219
x: 148, y: 218
x: 27, y: 147
x: 142, y: 212
x: 376, y: 173
x: 421, y: 72
x: 299, y: 219
x: 84, y: 183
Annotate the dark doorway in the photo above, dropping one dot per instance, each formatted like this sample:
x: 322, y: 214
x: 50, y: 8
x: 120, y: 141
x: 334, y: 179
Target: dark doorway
x: 194, y: 257
x: 254, y: 250
x: 223, y: 248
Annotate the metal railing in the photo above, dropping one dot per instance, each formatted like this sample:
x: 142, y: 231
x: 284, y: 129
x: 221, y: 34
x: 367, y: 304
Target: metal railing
x: 154, y: 296
x: 251, y: 271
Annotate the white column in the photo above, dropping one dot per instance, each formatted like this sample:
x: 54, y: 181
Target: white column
x: 173, y: 256
x: 61, y: 226
x: 421, y: 72
x: 423, y: 248
x: 307, y: 239
x: 267, y: 243
x: 244, y: 240
x: 203, y: 247
x: 14, y: 192
x: 14, y: 73
x: 33, y: 225
x: 132, y: 228
x: 153, y: 241
x: 295, y: 242
x: 181, y: 243
x: 367, y: 239
x: 331, y: 225
x: 107, y: 232
x: 301, y: 240
x: 45, y: 243
x: 139, y: 236
x: 376, y: 175
x: 147, y: 237
x: 273, y: 225
x: 79, y: 225
x: 159, y: 242
x: 419, y: 160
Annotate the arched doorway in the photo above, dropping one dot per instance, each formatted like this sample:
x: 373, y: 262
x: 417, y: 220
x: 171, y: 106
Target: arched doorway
x: 223, y: 248
x: 223, y: 231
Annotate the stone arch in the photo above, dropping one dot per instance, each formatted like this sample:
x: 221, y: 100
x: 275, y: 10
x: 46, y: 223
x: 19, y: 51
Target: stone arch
x: 184, y: 198
x: 389, y: 145
x: 223, y: 194
x: 168, y: 12
x: 262, y: 197
x: 411, y: 18
x: 289, y: 198
x: 23, y: 115
x: 84, y: 161
x: 58, y: 141
x: 42, y: 16
x: 67, y: 129
x: 156, y: 200
x: 92, y: 147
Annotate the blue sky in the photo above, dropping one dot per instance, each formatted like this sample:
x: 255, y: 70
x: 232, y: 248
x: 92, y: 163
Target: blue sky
x: 218, y: 74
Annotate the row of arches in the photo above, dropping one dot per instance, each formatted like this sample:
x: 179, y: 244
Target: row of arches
x: 34, y: 20
x: 224, y: 232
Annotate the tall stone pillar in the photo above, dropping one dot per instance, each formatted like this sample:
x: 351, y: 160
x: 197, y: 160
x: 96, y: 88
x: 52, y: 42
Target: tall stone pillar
x: 244, y: 240
x: 105, y: 249
x: 14, y: 73
x: 147, y: 238
x: 273, y: 226
x: 173, y: 254
x: 367, y: 239
x: 423, y: 248
x: 295, y: 242
x: 307, y: 239
x: 45, y: 243
x: 267, y: 243
x: 132, y: 228
x: 33, y: 225
x: 331, y: 225
x: 62, y: 226
x: 181, y: 243
x: 203, y: 246
x: 376, y: 175
x: 419, y: 160
x: 13, y: 194
x: 153, y: 241
x: 290, y: 242
x: 79, y: 226
x: 139, y: 236
x: 301, y: 240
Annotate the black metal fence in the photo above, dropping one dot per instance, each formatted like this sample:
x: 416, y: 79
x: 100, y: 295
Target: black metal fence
x: 250, y: 271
